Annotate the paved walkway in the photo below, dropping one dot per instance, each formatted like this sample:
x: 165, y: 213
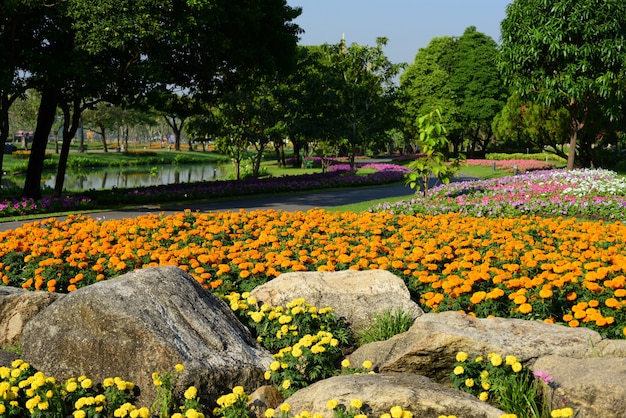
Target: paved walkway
x: 287, y: 202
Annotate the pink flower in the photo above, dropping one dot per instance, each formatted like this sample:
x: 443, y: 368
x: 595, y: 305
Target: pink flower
x: 543, y: 375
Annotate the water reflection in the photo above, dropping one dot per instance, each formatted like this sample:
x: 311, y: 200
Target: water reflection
x: 102, y: 179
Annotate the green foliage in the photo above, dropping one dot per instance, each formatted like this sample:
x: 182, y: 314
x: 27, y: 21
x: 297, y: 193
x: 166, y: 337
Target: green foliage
x: 233, y: 405
x: 504, y: 383
x: 542, y: 156
x: 361, y: 96
x: 433, y: 144
x: 386, y: 325
x: 165, y: 400
x: 572, y: 55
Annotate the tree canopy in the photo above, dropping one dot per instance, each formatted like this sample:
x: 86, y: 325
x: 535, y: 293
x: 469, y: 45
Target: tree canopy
x: 569, y: 54
x: 120, y: 51
x: 458, y: 76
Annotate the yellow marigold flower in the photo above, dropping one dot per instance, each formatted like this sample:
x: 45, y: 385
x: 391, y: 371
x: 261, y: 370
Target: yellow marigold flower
x: 562, y: 413
x: 239, y: 391
x: 345, y: 363
x: 496, y: 360
x: 44, y: 405
x: 86, y: 384
x: 267, y: 375
x: 360, y: 416
x: 285, y: 407
x: 100, y: 398
x: 80, y: 402
x: 192, y: 413
x: 275, y: 365
x: 461, y: 356
x: 79, y: 414
x: 108, y: 382
x: 367, y: 364
x: 356, y: 403
x: 332, y: 404
x: 316, y: 349
x: 385, y: 416
x: 179, y: 367
x: 483, y: 396
x: 510, y: 360
x: 469, y: 382
x: 517, y: 367
x: 484, y: 374
x: 191, y: 393
x: 177, y: 415
x: 485, y: 385
x: 318, y: 415
x: 286, y: 384
x: 396, y: 411
x: 269, y: 413
x: 257, y: 316
x: 284, y: 319
x: 296, y: 352
x: 17, y: 363
x: 458, y: 370
x: 407, y: 414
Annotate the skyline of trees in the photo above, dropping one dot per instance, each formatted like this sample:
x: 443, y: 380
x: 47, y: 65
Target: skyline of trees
x: 253, y: 91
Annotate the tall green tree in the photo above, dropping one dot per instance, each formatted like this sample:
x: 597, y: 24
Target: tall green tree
x: 478, y: 89
x: 458, y: 76
x: 426, y: 86
x: 570, y: 54
x: 364, y: 95
x: 137, y: 46
x: 522, y: 125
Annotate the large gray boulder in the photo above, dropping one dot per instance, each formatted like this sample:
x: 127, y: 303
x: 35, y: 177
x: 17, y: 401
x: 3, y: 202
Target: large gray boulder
x: 429, y: 347
x: 592, y: 387
x: 143, y: 322
x: 356, y: 295
x: 17, y: 307
x: 380, y: 392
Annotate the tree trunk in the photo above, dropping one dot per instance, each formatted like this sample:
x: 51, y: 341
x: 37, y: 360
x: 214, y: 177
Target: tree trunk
x: 70, y: 125
x: 4, y: 128
x: 45, y: 119
x: 104, y: 141
x: 573, y: 139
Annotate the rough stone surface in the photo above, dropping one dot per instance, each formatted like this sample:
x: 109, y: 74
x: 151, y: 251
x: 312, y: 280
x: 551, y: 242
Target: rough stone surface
x: 264, y: 398
x: 592, y: 387
x: 17, y: 307
x: 7, y: 357
x: 379, y: 392
x: 429, y: 347
x: 356, y: 295
x: 142, y: 322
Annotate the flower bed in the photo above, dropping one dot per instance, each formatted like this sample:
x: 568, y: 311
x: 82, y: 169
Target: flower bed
x: 593, y: 194
x: 555, y: 270
x: 511, y: 165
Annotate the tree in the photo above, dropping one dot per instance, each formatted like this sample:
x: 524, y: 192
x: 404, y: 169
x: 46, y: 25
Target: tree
x: 530, y: 125
x: 197, y: 46
x: 477, y: 87
x: 364, y: 95
x: 433, y: 146
x: 426, y: 86
x: 570, y: 54
x: 458, y: 75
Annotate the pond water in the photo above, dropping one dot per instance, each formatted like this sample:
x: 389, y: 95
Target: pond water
x: 108, y: 178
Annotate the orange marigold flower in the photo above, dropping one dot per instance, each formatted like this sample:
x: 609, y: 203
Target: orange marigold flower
x: 526, y: 308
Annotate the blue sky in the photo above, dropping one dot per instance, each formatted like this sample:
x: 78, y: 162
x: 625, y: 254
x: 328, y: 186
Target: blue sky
x: 408, y: 24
